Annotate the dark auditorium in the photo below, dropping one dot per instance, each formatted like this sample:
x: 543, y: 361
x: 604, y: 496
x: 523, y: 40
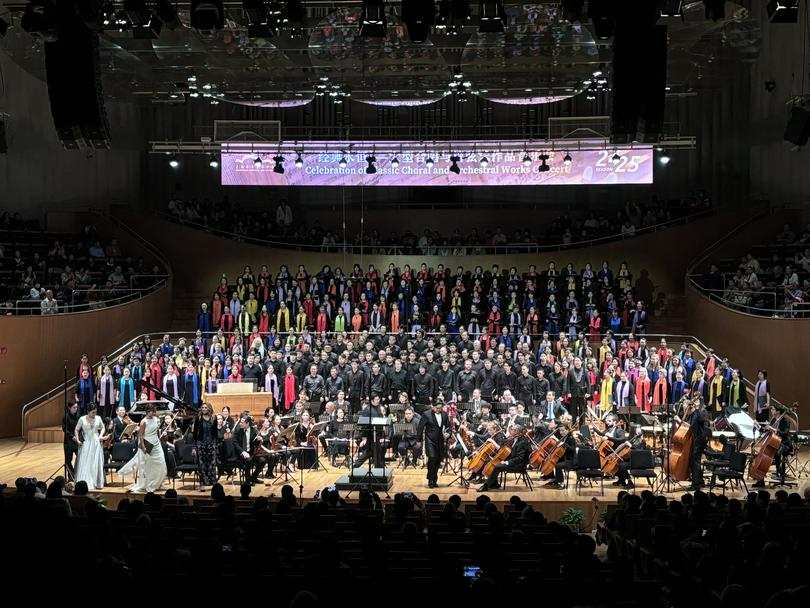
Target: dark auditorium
x: 406, y: 302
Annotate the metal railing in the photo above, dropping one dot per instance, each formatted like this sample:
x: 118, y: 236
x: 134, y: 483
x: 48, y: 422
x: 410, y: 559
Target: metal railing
x: 127, y: 294
x: 440, y: 250
x: 156, y: 338
x: 791, y: 310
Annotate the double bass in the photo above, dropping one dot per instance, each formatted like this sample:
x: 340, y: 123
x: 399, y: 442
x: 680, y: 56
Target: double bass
x: 680, y: 447
x: 768, y: 449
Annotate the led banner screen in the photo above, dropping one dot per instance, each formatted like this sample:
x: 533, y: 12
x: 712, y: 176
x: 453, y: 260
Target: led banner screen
x: 633, y: 166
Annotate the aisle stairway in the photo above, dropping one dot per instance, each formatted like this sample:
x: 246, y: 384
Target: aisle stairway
x: 186, y: 306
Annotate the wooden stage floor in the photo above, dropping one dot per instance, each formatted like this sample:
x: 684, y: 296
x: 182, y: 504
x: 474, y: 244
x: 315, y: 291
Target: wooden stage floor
x: 19, y: 458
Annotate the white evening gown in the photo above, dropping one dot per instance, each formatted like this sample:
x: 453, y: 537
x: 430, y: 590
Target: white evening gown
x: 90, y: 467
x: 150, y: 468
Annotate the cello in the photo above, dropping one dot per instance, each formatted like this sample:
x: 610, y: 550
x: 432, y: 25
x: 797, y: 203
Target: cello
x: 482, y: 455
x: 542, y: 451
x: 680, y: 447
x: 550, y: 463
x: 615, y: 458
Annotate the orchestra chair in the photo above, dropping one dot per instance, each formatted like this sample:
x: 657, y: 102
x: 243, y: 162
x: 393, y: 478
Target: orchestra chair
x: 522, y: 475
x: 734, y: 473
x: 120, y: 454
x: 186, y: 463
x: 642, y: 465
x: 589, y: 467
x: 721, y: 460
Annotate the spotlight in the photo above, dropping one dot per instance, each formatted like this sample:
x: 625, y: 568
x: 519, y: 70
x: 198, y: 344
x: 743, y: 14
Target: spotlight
x: 372, y: 19
x: 493, y: 17
x: 4, y: 25
x: 572, y: 10
x: 527, y: 160
x: 715, y: 9
x: 543, y: 168
x: 672, y: 8
x: 484, y: 161
x: 454, y: 168
x: 371, y: 169
x: 279, y: 164
x: 257, y: 162
x: 213, y: 161
x: 783, y: 11
x: 603, y: 16
x: 418, y: 16
x: 207, y: 17
x: 145, y: 24
x: 299, y: 162
x: 567, y: 159
x: 168, y: 14
x: 39, y: 20
x: 94, y: 16
x: 173, y: 162
x: 342, y: 162
x: 453, y: 14
x: 664, y: 158
x: 429, y: 162
x: 770, y: 85
x: 395, y: 162
x: 616, y: 158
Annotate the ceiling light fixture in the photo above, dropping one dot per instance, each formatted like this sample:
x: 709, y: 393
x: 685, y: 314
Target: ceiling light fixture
x: 299, y: 162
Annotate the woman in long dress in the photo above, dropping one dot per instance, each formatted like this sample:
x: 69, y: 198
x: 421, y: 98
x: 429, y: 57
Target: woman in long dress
x: 148, y: 462
x: 90, y: 467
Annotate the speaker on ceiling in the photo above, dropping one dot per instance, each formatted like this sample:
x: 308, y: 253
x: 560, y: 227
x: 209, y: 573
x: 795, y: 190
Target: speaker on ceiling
x: 798, y: 127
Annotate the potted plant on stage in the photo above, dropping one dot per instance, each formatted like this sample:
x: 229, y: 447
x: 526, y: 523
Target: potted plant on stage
x: 573, y: 518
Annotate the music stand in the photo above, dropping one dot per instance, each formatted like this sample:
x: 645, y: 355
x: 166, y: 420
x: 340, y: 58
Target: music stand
x: 400, y: 428
x: 287, y: 434
x: 315, y: 431
x: 370, y: 422
x: 460, y: 480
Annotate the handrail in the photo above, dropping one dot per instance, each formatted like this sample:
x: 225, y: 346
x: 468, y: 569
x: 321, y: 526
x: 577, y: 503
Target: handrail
x: 467, y: 249
x: 157, y: 337
x: 722, y: 298
x: 114, y: 289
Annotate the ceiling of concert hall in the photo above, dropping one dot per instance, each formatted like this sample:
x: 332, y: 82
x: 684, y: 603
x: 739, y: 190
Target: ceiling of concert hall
x: 540, y: 58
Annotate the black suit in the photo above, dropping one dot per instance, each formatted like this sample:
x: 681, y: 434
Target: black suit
x: 241, y: 444
x: 433, y: 441
x: 516, y: 463
x: 118, y: 427
x: 71, y: 448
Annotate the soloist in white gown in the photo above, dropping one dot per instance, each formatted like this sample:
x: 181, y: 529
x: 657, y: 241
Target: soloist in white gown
x: 150, y: 468
x: 90, y: 466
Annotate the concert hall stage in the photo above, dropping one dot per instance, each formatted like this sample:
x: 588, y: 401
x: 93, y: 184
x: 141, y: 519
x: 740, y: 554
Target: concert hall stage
x: 19, y: 458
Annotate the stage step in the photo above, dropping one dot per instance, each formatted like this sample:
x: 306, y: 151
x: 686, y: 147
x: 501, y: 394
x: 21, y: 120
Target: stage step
x: 45, y: 434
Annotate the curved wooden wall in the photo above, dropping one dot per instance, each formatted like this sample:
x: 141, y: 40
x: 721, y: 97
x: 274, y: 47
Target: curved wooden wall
x: 657, y: 260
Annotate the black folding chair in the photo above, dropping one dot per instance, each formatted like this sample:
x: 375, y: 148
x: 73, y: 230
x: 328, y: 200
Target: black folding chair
x: 186, y: 463
x: 589, y: 467
x: 642, y: 465
x: 120, y: 454
x: 734, y: 473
